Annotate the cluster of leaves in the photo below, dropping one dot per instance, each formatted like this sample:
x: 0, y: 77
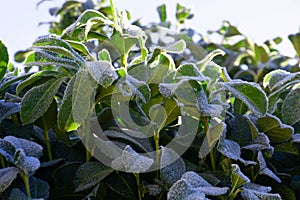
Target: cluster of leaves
x: 244, y: 105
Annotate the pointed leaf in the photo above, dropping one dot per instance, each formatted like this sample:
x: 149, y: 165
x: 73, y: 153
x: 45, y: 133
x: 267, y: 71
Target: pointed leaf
x: 263, y: 169
x: 180, y: 190
x: 90, y: 174
x: 295, y: 40
x: 238, y: 179
x: 172, y: 166
x: 7, y: 150
x: 104, y: 55
x: 208, y: 58
x: 7, y: 175
x: 38, y: 99
x: 250, y: 93
x: 162, y: 13
x: 274, y: 129
x: 195, y: 180
x: 291, y: 106
x: 83, y: 91
x: 277, y: 78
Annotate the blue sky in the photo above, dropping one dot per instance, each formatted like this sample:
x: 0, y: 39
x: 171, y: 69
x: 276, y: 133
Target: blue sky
x: 258, y: 19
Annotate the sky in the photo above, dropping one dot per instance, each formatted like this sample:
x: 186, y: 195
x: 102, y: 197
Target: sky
x: 260, y: 20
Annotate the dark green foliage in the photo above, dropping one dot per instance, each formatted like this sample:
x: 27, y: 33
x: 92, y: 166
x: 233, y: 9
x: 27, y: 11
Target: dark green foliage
x: 116, y: 111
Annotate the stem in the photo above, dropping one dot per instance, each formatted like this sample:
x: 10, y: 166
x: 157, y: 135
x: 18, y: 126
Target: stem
x: 224, y: 75
x: 46, y: 134
x: 2, y: 162
x: 115, y: 16
x: 137, y: 178
x: 156, y: 140
x: 211, y: 153
x: 26, y: 183
x: 124, y: 60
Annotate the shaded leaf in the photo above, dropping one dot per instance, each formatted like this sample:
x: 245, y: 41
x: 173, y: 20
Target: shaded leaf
x: 104, y: 55
x: 39, y: 188
x: 274, y: 129
x: 172, y: 166
x: 7, y: 150
x: 238, y: 179
x: 195, y: 180
x: 90, y: 174
x: 7, y: 175
x: 295, y: 40
x: 263, y: 169
x: 17, y: 194
x: 7, y: 109
x: 277, y: 78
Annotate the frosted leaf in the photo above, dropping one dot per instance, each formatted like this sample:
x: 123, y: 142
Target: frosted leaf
x: 256, y: 195
x: 194, y: 179
x: 177, y: 47
x: 131, y: 86
x: 16, y: 193
x: 132, y: 162
x: 296, y: 138
x: 54, y: 41
x: 7, y: 150
x: 107, y: 147
x: 263, y: 169
x: 102, y: 72
x: 30, y: 148
x: 167, y: 89
x: 180, y: 191
x: 277, y: 78
x: 275, y: 130
x: 259, y: 143
x: 237, y: 177
x: 197, y: 196
x: 27, y: 164
x: 38, y: 99
x: 189, y: 70
x: 208, y: 58
x: 256, y: 187
x: 7, y: 109
x: 83, y: 91
x: 291, y: 106
x: 229, y: 148
x: 249, y: 93
x: 213, y: 135
x: 7, y: 175
x: 213, y: 191
x: 154, y: 189
x: 207, y: 109
x: 90, y: 174
x: 172, y: 166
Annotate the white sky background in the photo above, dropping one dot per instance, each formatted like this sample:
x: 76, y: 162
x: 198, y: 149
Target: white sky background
x: 258, y: 19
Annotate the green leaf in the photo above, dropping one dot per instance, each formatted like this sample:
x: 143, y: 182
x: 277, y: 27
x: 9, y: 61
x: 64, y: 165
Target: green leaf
x: 83, y: 92
x: 208, y: 58
x: 36, y: 77
x: 211, y: 138
x: 90, y: 174
x: 104, y: 55
x: 57, y: 46
x: 162, y: 11
x: 3, y: 60
x: 295, y: 40
x: 103, y: 72
x: 249, y: 93
x: 274, y: 129
x: 172, y: 166
x: 277, y: 78
x: 38, y: 99
x: 39, y: 189
x: 7, y: 175
x: 65, y: 114
x: 183, y: 13
x: 177, y: 47
x: 291, y: 106
x: 206, y: 109
x: 238, y: 179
